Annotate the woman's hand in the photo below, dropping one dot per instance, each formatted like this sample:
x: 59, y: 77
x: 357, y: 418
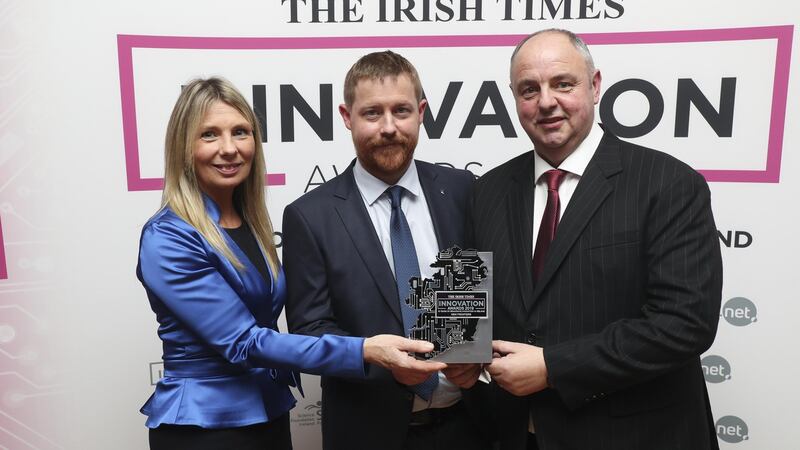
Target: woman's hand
x: 391, y: 352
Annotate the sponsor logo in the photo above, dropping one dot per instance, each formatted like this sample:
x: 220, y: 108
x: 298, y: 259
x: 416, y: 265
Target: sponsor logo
x: 310, y: 415
x: 401, y: 11
x: 739, y: 312
x: 716, y: 369
x: 732, y: 429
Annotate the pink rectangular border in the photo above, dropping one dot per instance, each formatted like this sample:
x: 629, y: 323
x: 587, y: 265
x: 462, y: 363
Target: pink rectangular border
x: 3, y: 267
x: 781, y: 33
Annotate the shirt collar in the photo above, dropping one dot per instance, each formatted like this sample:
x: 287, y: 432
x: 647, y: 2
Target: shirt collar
x: 372, y: 188
x: 577, y: 161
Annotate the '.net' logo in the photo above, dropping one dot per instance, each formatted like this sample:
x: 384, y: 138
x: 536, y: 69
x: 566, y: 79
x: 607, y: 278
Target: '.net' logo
x: 716, y: 369
x: 732, y: 429
x: 739, y: 312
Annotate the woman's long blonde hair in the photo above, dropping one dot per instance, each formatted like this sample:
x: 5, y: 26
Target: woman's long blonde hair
x: 182, y: 193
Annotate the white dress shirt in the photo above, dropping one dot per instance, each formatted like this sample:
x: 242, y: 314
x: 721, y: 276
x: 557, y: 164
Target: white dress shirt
x: 415, y: 208
x: 575, y: 164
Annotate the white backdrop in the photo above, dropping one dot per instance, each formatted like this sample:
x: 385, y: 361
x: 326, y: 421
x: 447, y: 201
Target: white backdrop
x: 86, y: 88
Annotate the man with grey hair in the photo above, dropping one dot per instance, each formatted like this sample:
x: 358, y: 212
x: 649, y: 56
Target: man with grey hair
x: 607, y: 273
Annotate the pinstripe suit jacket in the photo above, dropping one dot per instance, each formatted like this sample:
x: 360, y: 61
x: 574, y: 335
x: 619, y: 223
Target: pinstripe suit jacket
x: 628, y: 299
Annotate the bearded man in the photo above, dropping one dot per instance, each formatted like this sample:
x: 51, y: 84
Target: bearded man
x: 350, y: 247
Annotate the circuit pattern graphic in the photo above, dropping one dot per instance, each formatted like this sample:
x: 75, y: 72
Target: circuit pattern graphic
x: 28, y: 378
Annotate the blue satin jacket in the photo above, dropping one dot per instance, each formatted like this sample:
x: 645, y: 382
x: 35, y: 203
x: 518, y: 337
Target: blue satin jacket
x: 225, y: 363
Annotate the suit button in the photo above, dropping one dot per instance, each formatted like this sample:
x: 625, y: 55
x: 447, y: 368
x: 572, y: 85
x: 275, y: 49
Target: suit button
x: 531, y: 338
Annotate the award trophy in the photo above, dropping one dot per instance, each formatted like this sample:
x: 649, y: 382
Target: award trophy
x: 454, y: 307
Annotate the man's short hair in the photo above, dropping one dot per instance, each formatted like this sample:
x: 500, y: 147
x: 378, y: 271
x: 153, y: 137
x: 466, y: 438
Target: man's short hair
x: 377, y: 66
x: 573, y: 38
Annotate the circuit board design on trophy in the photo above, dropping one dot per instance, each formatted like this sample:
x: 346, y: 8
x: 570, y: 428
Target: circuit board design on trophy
x: 450, y: 304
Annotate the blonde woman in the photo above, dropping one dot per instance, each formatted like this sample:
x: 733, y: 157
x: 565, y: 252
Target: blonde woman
x: 212, y: 275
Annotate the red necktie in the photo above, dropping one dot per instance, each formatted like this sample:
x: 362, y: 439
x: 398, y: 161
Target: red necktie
x: 547, y: 229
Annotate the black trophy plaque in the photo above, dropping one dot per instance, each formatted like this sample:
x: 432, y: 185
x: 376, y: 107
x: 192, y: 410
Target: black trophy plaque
x: 454, y: 307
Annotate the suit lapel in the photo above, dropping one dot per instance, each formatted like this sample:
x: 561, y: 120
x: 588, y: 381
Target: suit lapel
x: 590, y: 193
x: 519, y: 203
x: 438, y: 200
x: 353, y: 214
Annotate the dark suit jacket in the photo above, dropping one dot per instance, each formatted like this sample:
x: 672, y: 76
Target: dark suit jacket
x: 339, y: 282
x: 628, y: 299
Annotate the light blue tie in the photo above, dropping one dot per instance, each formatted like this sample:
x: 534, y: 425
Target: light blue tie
x: 406, y: 267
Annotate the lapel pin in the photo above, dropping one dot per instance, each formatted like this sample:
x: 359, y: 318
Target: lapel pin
x: 441, y: 191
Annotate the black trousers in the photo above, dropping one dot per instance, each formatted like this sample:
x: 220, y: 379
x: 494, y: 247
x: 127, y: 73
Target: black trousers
x: 532, y: 445
x: 457, y: 431
x: 273, y: 435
